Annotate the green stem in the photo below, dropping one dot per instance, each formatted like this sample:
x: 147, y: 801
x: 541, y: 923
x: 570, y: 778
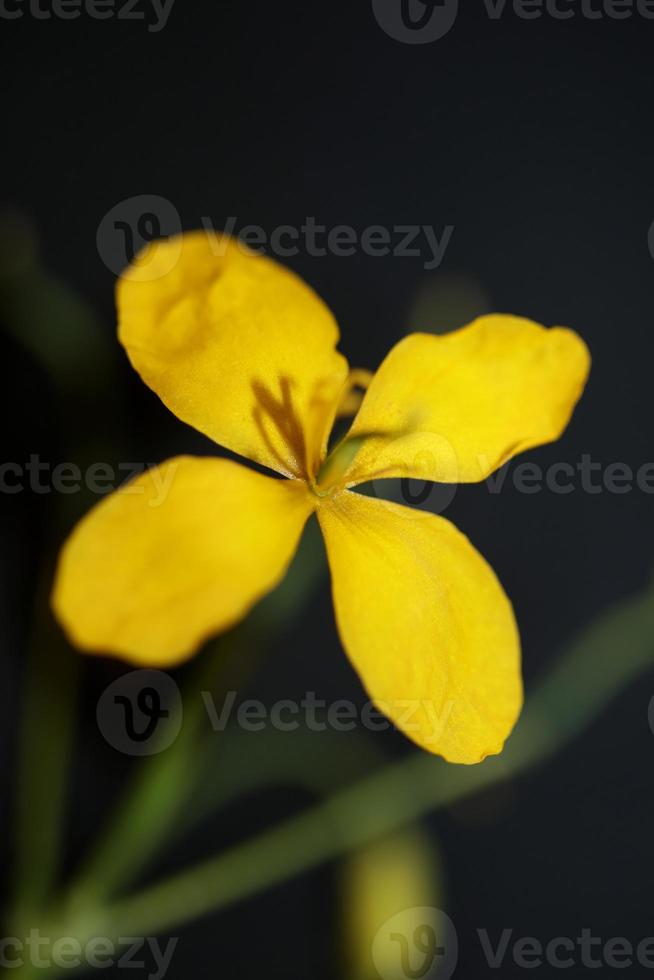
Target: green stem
x: 154, y: 802
x: 601, y: 662
x: 158, y: 792
x: 47, y: 730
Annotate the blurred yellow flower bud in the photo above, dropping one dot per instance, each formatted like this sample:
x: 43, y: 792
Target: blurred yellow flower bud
x: 391, y: 897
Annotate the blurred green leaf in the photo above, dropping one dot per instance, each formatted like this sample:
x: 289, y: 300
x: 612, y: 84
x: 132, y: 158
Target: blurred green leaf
x: 58, y: 327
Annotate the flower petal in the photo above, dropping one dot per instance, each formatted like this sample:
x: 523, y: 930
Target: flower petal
x: 235, y: 345
x: 454, y: 408
x: 425, y: 623
x: 181, y: 552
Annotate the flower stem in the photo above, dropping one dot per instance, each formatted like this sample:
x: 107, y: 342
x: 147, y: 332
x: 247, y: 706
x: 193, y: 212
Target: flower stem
x: 47, y: 729
x: 594, y: 668
x: 155, y: 799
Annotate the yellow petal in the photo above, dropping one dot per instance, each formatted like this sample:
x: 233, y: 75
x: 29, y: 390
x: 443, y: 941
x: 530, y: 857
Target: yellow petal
x: 426, y: 624
x: 235, y: 345
x: 179, y: 553
x: 454, y: 408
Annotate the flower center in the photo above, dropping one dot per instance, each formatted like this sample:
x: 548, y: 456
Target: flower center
x: 335, y: 466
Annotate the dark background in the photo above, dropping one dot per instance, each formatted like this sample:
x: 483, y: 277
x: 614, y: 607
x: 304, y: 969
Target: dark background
x: 534, y: 139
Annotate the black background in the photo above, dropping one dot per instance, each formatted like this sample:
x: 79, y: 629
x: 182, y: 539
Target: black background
x: 533, y: 138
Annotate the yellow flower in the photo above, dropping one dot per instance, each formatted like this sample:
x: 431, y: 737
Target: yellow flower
x: 241, y: 349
